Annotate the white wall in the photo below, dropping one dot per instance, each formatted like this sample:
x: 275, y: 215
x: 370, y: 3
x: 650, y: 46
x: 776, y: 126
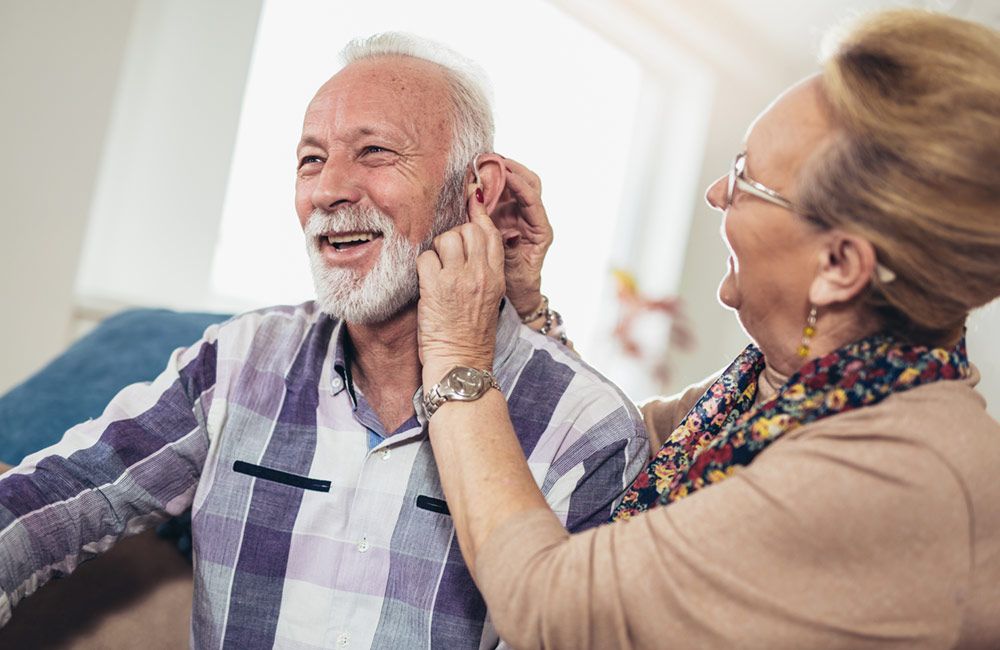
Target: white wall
x: 59, y: 61
x: 165, y: 167
x: 984, y: 352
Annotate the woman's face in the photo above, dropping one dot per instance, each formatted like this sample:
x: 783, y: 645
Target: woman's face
x: 774, y: 253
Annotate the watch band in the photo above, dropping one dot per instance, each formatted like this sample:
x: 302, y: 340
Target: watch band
x: 434, y: 398
x: 433, y: 401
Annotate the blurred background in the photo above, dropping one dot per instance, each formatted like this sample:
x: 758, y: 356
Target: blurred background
x: 147, y: 156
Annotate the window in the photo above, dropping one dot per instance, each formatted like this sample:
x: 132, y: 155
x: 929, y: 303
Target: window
x: 565, y: 102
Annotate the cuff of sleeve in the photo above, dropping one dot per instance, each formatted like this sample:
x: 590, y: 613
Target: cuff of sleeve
x: 504, y: 558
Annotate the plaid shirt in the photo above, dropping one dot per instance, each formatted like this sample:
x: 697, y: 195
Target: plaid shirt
x: 312, y: 526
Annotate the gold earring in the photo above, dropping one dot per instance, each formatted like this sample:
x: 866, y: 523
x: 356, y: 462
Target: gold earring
x: 807, y: 332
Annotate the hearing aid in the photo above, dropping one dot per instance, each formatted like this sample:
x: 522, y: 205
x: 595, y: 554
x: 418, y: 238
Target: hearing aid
x: 475, y: 170
x: 478, y: 182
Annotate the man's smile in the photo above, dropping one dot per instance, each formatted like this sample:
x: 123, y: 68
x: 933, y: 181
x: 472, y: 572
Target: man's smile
x: 340, y: 248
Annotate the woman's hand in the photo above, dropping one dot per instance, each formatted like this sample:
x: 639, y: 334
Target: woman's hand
x: 461, y: 284
x: 475, y: 448
x: 526, y: 233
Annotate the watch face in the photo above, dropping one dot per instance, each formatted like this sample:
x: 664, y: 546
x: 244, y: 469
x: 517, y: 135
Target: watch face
x: 466, y: 382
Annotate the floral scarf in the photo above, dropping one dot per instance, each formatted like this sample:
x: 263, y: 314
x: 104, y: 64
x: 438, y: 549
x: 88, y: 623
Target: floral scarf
x: 724, y: 431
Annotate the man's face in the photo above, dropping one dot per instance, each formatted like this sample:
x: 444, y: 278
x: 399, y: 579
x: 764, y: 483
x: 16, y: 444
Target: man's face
x: 371, y: 168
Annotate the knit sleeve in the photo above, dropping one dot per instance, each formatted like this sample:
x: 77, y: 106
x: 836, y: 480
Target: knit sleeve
x: 832, y: 542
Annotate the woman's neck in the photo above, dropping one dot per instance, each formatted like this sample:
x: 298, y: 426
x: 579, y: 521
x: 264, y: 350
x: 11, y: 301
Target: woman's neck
x: 768, y: 383
x: 835, y: 328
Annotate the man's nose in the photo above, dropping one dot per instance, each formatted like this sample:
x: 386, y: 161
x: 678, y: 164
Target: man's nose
x: 335, y: 187
x: 715, y: 195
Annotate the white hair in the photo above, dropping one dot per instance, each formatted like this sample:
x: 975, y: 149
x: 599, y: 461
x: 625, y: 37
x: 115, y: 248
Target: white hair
x: 392, y: 283
x: 471, y: 96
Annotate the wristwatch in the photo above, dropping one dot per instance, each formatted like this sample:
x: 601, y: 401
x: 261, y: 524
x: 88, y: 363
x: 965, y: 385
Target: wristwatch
x: 461, y: 384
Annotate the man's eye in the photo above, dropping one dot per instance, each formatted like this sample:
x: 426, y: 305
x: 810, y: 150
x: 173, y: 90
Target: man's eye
x: 374, y: 148
x: 309, y: 160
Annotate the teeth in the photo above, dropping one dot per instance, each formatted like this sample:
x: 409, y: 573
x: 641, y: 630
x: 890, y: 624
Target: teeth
x: 355, y: 237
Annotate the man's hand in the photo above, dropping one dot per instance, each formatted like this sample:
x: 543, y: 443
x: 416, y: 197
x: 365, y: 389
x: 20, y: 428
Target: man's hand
x: 527, y: 235
x: 461, y: 284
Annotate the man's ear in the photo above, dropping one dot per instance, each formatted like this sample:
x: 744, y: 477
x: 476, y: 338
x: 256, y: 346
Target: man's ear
x: 846, y: 265
x: 492, y: 179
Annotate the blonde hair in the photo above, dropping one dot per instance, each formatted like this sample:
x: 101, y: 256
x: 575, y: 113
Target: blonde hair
x: 915, y: 166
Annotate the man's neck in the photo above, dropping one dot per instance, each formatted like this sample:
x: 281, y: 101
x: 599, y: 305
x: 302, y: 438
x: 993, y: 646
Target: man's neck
x: 386, y: 367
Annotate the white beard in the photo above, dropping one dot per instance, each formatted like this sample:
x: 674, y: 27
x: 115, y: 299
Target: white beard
x: 392, y: 283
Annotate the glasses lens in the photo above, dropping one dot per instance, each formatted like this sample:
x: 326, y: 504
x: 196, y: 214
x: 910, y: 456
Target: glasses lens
x: 734, y: 171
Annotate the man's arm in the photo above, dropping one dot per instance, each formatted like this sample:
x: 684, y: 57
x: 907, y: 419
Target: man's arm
x: 585, y: 481
x: 107, y: 478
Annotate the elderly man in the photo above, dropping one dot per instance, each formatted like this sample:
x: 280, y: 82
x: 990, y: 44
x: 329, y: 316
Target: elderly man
x: 297, y: 435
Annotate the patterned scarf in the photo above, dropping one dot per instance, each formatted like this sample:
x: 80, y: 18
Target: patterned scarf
x: 724, y: 431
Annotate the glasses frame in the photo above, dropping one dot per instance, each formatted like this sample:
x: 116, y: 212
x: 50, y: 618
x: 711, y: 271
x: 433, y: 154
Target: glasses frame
x: 738, y: 179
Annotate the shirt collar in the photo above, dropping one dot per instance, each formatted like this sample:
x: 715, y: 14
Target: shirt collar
x: 339, y: 378
x: 508, y: 326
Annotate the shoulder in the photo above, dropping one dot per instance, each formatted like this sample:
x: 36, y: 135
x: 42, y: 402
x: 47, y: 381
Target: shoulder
x: 948, y: 418
x: 273, y: 327
x: 945, y: 419
x: 265, y: 340
x: 551, y: 383
x: 936, y: 436
x: 276, y: 317
x: 584, y: 384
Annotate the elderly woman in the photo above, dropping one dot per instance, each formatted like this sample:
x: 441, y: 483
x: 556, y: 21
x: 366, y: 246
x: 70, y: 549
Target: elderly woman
x: 836, y: 485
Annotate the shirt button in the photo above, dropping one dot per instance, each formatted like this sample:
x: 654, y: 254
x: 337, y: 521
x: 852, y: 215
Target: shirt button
x: 337, y: 383
x: 363, y: 545
x: 343, y: 640
x: 386, y: 453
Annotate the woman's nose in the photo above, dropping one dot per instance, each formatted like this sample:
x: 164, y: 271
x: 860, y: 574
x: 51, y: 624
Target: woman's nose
x: 715, y: 195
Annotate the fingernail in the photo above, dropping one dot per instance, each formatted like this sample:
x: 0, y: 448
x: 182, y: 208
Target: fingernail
x: 479, y: 194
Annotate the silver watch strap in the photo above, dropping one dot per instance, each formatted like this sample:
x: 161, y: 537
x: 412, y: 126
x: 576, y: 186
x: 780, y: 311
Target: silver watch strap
x: 433, y: 399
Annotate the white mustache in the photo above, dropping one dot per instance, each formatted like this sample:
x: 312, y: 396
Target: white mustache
x: 353, y: 218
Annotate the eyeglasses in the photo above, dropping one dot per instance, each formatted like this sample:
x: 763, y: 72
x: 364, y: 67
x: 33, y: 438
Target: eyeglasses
x: 738, y: 179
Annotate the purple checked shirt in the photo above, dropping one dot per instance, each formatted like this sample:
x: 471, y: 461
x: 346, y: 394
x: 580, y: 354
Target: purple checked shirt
x: 312, y: 527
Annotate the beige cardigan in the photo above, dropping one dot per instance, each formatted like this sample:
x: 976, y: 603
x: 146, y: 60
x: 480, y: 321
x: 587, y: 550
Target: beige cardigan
x: 877, y: 528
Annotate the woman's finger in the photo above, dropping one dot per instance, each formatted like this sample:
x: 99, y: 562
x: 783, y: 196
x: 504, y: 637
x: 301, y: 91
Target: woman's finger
x: 517, y: 169
x: 492, y: 244
x: 530, y: 201
x: 495, y: 250
x: 478, y: 216
x: 450, y: 249
x: 473, y: 240
x: 428, y: 265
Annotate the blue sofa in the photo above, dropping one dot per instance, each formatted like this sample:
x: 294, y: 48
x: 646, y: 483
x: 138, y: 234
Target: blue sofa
x: 126, y: 348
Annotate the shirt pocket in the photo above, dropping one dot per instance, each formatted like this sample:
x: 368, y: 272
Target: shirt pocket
x: 431, y: 504
x: 284, y: 478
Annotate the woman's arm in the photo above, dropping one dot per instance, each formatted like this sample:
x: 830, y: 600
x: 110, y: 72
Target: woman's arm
x: 820, y: 543
x: 483, y: 470
x: 832, y: 540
